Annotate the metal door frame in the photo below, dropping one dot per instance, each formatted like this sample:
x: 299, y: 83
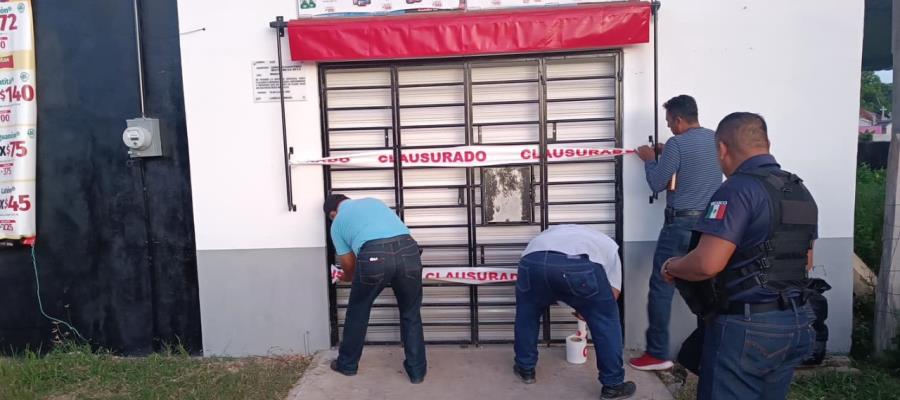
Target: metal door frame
x: 468, y: 191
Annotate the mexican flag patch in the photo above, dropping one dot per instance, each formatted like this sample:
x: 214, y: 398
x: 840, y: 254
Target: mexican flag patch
x: 717, y: 210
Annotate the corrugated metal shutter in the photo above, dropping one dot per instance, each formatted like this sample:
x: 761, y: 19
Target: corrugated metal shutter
x: 496, y: 101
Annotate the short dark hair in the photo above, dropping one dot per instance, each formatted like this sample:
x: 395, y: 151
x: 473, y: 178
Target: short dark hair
x: 743, y: 131
x: 332, y: 201
x: 683, y: 106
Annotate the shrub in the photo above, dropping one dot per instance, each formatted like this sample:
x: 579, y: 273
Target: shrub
x: 863, y: 345
x: 869, y: 215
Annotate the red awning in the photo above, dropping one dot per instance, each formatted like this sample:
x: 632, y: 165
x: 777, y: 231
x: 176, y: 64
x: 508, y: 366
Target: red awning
x: 452, y: 34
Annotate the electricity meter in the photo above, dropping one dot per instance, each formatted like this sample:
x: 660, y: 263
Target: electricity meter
x: 142, y: 137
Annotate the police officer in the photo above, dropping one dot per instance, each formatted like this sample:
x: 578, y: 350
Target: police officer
x: 755, y: 250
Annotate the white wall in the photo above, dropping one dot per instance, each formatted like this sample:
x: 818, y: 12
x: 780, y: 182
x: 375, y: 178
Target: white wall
x: 237, y: 167
x: 795, y: 62
x: 261, y: 269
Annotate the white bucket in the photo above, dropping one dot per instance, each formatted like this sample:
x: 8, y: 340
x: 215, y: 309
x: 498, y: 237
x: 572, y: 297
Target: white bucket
x: 576, y: 349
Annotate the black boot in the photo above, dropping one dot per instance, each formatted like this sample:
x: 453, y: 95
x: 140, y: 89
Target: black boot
x: 623, y: 390
x: 526, y: 375
x: 335, y: 368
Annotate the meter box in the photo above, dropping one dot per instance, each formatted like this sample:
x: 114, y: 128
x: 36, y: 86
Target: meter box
x: 142, y: 137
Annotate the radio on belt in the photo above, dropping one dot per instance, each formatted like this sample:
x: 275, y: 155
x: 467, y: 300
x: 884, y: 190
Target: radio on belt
x: 142, y: 137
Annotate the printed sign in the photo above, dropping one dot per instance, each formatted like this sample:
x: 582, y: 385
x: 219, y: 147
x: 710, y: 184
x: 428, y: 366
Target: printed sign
x: 466, y: 156
x: 467, y: 275
x: 338, y: 8
x: 18, y: 113
x: 266, y: 84
x: 492, y: 4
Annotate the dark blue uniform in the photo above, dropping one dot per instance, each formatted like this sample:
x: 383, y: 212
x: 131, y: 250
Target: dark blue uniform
x: 739, y: 212
x: 750, y: 355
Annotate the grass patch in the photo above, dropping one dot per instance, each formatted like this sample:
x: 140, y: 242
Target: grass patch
x: 870, y: 383
x: 75, y: 372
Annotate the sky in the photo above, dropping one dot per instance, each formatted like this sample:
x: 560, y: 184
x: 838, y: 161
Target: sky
x: 886, y: 76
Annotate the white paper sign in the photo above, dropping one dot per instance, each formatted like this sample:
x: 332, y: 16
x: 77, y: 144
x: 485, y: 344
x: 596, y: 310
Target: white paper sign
x: 266, y: 83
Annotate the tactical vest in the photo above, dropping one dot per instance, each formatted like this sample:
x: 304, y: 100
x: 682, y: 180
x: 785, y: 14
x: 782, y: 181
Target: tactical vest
x: 779, y: 263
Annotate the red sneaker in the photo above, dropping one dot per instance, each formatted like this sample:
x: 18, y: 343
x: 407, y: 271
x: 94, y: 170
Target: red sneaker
x: 647, y: 362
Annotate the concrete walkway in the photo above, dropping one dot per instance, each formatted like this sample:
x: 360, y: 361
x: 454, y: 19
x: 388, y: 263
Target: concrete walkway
x: 456, y: 373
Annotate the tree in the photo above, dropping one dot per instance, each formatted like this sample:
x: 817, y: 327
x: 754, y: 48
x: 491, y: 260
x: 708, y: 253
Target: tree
x: 874, y: 94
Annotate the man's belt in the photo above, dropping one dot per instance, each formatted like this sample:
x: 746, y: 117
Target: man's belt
x: 756, y: 308
x: 386, y: 240
x: 673, y: 213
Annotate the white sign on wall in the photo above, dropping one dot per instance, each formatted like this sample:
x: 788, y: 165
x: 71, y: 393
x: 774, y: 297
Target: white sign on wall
x: 18, y: 118
x: 266, y: 82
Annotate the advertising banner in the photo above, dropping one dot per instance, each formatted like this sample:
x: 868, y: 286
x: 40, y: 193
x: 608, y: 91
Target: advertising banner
x: 339, y: 8
x: 18, y: 117
x: 494, y: 4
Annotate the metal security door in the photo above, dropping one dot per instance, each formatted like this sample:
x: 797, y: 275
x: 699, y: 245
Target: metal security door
x: 549, y: 101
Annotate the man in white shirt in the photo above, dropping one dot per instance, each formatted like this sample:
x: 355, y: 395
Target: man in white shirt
x: 580, y: 267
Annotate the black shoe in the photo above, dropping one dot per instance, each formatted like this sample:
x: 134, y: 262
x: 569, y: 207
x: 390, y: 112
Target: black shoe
x: 415, y: 377
x: 621, y: 391
x: 335, y: 368
x: 526, y: 375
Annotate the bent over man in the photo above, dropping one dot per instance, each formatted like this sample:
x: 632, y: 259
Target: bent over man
x: 580, y: 267
x: 375, y: 250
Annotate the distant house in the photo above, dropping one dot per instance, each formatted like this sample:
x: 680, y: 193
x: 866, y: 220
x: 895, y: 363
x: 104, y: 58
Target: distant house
x: 878, y: 125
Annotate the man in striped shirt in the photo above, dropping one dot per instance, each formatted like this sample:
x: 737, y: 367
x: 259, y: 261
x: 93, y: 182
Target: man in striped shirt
x: 689, y: 168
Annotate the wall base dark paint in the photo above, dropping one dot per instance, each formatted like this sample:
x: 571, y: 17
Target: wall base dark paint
x: 99, y: 269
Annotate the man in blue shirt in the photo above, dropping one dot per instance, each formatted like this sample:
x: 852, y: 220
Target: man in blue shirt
x: 580, y: 267
x: 757, y: 238
x: 375, y: 250
x: 689, y: 161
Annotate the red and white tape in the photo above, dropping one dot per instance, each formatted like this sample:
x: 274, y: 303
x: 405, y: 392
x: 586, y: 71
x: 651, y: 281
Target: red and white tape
x: 466, y: 156
x: 467, y: 275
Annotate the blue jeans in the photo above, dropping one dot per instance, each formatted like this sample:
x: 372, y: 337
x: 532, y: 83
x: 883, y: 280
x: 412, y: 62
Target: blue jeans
x: 753, y: 356
x: 395, y: 262
x: 674, y: 241
x: 545, y: 277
